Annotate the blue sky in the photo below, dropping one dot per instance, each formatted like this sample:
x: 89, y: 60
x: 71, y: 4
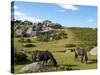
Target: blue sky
x: 67, y: 15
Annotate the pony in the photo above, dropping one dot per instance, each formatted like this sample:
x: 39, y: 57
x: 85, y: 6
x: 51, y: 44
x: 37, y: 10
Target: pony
x: 43, y: 56
x: 82, y: 53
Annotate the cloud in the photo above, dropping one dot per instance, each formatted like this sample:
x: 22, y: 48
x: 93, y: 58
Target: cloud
x: 19, y: 13
x: 23, y: 17
x: 69, y: 7
x: 15, y: 7
x: 90, y: 20
x: 62, y: 10
x: 32, y: 19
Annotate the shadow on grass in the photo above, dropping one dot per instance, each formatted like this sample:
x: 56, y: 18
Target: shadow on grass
x: 24, y: 63
x: 92, y: 61
x: 19, y: 63
x: 71, y: 65
x: 63, y: 67
x: 61, y: 51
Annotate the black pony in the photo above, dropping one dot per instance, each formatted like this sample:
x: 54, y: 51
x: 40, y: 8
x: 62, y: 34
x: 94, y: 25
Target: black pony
x: 43, y: 56
x: 82, y: 53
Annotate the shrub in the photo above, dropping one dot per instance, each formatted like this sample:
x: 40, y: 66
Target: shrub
x: 45, y: 38
x: 20, y: 57
x: 70, y: 45
x: 29, y: 45
x: 56, y: 35
x: 28, y: 40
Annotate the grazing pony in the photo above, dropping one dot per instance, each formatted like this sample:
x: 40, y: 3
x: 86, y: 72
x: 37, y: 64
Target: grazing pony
x: 82, y: 53
x: 43, y: 56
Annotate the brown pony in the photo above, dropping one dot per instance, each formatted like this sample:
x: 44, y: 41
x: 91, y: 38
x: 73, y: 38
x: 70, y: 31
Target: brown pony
x: 43, y: 56
x: 82, y: 53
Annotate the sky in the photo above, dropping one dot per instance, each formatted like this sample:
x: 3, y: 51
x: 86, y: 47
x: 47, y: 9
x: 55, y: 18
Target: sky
x: 66, y: 15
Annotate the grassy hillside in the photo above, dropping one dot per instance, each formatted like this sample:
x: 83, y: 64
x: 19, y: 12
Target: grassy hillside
x: 87, y: 36
x: 83, y: 37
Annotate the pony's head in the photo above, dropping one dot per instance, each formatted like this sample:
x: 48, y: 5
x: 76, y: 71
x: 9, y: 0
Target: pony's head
x: 54, y: 62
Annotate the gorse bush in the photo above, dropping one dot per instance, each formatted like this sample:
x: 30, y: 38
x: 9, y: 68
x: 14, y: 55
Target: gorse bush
x: 56, y: 35
x: 28, y: 40
x: 20, y: 57
x: 29, y: 45
x: 70, y: 45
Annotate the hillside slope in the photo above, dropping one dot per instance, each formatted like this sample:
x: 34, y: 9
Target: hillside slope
x: 57, y: 48
x: 86, y: 36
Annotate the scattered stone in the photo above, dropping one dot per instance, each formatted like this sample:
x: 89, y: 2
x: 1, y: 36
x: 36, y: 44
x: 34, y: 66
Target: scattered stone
x: 33, y: 67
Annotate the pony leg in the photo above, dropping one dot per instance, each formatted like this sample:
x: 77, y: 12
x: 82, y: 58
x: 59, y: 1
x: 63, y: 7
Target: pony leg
x: 46, y: 62
x: 76, y: 57
x: 81, y: 59
x: 43, y: 62
x: 33, y: 59
x: 86, y: 59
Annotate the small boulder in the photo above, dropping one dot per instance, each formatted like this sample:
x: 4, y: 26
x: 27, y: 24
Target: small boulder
x: 33, y: 67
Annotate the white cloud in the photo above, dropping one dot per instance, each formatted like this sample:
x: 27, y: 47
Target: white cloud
x: 90, y: 20
x: 19, y: 13
x: 23, y: 17
x: 68, y: 7
x: 32, y: 19
x: 62, y: 10
x: 15, y: 7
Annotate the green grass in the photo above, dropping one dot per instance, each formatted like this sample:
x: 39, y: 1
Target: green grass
x: 67, y: 59
x: 87, y: 36
x: 75, y: 36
